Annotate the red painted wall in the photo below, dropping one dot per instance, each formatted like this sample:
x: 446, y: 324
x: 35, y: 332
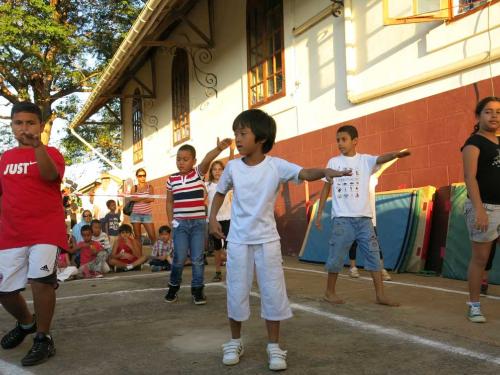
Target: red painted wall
x: 433, y: 128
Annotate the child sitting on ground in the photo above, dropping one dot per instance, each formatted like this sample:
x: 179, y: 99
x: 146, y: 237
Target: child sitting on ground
x: 111, y: 222
x: 92, y: 256
x: 161, y: 255
x: 65, y: 271
x: 99, y: 236
x: 126, y: 254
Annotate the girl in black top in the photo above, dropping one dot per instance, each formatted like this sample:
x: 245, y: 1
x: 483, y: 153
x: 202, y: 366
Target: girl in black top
x: 481, y: 158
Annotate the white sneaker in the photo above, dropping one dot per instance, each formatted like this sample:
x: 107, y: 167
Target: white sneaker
x: 129, y: 267
x: 354, y: 272
x: 232, y: 350
x: 474, y: 314
x: 277, y: 358
x: 385, y: 275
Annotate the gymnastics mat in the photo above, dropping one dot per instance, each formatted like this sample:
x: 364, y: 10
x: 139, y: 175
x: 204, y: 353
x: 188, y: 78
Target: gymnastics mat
x: 394, y: 222
x: 458, y: 247
x: 416, y: 256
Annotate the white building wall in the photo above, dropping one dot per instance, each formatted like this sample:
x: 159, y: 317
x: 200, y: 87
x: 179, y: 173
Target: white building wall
x: 316, y: 64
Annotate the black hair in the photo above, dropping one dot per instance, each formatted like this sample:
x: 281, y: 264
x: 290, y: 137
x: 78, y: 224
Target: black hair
x: 211, y: 177
x: 262, y: 125
x: 140, y: 170
x: 124, y: 228
x: 26, y: 107
x: 85, y: 228
x: 480, y: 106
x: 108, y: 203
x: 349, y: 129
x: 95, y: 221
x: 164, y: 228
x: 188, y: 148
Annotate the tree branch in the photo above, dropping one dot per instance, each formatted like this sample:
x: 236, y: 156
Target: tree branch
x: 6, y: 93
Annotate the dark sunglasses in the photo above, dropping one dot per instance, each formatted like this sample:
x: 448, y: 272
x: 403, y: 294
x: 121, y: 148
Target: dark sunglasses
x: 87, y: 215
x: 141, y: 175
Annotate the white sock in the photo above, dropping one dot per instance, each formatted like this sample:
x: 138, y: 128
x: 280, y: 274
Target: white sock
x: 271, y: 345
x: 236, y: 341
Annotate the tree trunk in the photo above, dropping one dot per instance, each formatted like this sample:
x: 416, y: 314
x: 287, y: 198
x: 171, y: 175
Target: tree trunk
x: 47, y: 129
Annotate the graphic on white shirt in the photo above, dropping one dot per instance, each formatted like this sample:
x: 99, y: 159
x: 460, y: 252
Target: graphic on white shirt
x: 348, y: 186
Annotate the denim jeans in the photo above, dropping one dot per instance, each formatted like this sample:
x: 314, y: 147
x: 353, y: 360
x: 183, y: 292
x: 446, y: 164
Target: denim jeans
x: 189, y: 236
x: 346, y: 230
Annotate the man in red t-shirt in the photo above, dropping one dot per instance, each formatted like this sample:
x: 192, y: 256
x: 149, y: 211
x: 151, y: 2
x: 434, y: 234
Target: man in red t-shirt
x: 31, y: 230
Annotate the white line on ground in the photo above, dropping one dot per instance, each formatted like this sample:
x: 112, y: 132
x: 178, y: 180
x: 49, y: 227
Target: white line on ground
x: 10, y: 369
x: 397, y: 334
x: 118, y: 292
x: 392, y: 282
x: 356, y: 324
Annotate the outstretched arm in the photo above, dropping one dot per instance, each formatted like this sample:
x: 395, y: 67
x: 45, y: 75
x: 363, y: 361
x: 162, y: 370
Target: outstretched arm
x: 321, y: 205
x: 313, y: 174
x: 211, y: 155
x: 393, y: 155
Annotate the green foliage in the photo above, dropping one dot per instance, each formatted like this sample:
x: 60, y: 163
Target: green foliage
x: 105, y: 136
x: 50, y: 49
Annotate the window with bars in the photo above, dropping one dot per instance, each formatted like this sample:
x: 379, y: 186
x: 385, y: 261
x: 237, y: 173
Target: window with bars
x: 137, y: 126
x: 180, y: 96
x: 265, y: 51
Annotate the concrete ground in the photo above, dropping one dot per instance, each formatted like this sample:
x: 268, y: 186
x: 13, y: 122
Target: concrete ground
x: 120, y: 325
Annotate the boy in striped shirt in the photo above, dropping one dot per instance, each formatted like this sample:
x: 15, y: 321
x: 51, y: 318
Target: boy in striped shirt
x: 186, y: 212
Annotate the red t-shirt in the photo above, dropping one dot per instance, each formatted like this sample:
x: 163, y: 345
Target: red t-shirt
x: 86, y: 253
x: 31, y: 208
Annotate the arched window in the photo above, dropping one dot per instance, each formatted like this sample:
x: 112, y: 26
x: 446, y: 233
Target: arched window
x: 265, y: 51
x: 180, y: 96
x: 137, y: 126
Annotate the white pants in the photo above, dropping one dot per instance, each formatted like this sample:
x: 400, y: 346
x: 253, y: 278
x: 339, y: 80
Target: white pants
x: 267, y: 260
x: 19, y: 264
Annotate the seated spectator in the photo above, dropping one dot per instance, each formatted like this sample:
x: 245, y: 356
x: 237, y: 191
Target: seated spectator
x: 111, y: 222
x: 126, y: 254
x: 65, y: 271
x: 85, y: 220
x: 92, y: 256
x: 99, y: 236
x: 161, y: 255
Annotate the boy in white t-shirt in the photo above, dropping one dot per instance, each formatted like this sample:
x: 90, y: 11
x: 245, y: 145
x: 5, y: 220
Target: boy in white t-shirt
x: 253, y: 239
x: 352, y: 213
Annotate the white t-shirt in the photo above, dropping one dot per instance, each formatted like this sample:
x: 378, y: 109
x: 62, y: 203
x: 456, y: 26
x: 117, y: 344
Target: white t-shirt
x: 225, y: 210
x: 255, y: 189
x: 351, y: 194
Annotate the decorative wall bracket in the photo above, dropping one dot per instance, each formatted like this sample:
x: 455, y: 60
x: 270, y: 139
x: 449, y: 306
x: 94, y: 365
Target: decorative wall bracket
x: 147, y: 119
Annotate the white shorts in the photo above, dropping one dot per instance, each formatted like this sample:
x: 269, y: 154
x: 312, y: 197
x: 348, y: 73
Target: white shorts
x: 267, y: 260
x: 19, y: 264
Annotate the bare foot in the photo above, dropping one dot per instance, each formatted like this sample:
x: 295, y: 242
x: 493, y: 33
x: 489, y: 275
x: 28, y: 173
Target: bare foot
x: 333, y: 299
x: 387, y: 302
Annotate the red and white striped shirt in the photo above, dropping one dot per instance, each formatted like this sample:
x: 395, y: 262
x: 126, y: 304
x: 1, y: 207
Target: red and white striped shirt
x: 144, y: 208
x: 188, y: 193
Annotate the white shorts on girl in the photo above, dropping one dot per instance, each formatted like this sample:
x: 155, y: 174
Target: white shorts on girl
x: 267, y: 260
x: 19, y: 264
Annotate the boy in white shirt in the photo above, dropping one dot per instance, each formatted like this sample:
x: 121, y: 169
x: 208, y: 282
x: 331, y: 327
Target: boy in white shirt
x: 351, y: 212
x: 253, y: 238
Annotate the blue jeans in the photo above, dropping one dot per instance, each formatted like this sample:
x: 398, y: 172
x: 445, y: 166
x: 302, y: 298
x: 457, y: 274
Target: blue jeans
x: 189, y: 236
x: 346, y: 230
